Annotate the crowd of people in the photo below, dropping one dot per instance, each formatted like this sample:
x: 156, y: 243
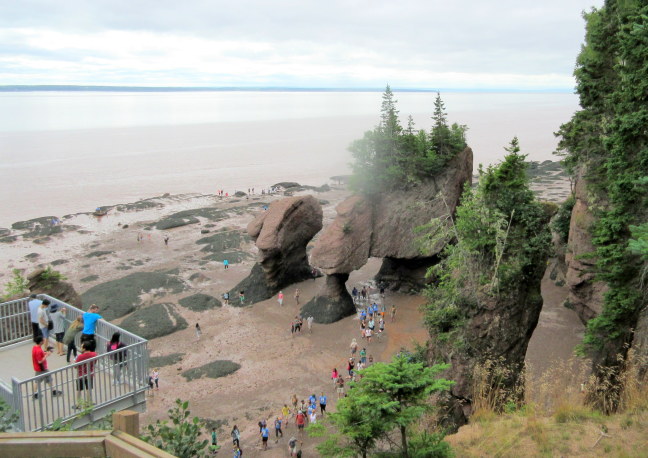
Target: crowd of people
x: 301, y: 413
x: 49, y: 322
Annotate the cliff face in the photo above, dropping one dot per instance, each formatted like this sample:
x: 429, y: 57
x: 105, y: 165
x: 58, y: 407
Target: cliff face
x: 385, y: 226
x: 585, y: 294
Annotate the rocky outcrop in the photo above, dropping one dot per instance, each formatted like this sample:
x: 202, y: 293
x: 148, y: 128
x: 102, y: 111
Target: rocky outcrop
x: 281, y: 234
x: 385, y: 226
x: 41, y: 282
x: 496, y: 334
x: 333, y: 303
x: 585, y: 294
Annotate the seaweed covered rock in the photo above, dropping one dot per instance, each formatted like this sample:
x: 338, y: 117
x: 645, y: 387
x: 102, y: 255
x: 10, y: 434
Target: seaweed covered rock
x: 200, y: 302
x: 156, y: 320
x: 117, y: 298
x: 281, y: 234
x: 215, y: 369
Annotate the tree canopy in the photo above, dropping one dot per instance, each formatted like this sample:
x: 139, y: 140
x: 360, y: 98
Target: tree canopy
x: 390, y: 156
x: 607, y: 142
x: 388, y: 396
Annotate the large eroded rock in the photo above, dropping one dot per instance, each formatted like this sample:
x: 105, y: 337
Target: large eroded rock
x: 281, y: 234
x: 39, y: 283
x: 385, y: 226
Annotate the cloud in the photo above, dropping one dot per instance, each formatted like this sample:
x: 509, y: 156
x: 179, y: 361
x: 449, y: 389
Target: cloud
x: 338, y: 43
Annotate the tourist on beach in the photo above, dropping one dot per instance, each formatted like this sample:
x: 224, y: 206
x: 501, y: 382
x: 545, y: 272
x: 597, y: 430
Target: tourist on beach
x: 300, y: 420
x: 350, y: 367
x: 353, y: 346
x: 278, y: 431
x: 85, y: 372
x: 264, y: 436
x: 309, y: 322
x: 354, y: 294
x: 90, y: 319
x: 242, y: 297
x: 294, y: 401
x: 312, y: 417
x: 294, y: 447
x: 58, y: 320
x: 314, y: 273
x: 214, y: 441
x: 156, y: 378
x: 166, y: 240
x: 34, y: 305
x: 298, y: 324
x: 118, y: 357
x: 236, y: 436
x: 381, y: 325
x: 280, y: 297
x: 238, y: 453
x: 297, y: 293
x: 340, y: 386
x: 226, y: 298
x: 368, y: 334
x: 363, y: 355
x: 363, y: 293
x: 225, y: 264
x: 334, y: 375
x: 69, y: 337
x: 392, y: 313
x: 198, y: 331
x: 39, y: 362
x: 285, y: 412
x: 322, y: 402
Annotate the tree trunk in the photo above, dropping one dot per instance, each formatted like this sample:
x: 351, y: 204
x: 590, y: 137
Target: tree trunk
x: 404, y: 441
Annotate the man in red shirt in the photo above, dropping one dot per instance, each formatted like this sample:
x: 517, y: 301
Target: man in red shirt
x: 85, y: 372
x: 39, y: 361
x: 301, y: 421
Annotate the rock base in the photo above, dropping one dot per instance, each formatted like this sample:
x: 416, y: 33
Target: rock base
x: 333, y: 303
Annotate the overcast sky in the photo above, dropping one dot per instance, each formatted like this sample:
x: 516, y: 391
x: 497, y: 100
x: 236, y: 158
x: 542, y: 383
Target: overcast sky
x: 427, y: 44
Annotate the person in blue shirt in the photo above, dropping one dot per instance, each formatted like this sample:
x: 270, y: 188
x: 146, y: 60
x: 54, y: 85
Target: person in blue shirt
x: 264, y: 437
x: 375, y: 308
x: 278, y: 431
x: 90, y: 319
x: 312, y: 399
x: 322, y: 403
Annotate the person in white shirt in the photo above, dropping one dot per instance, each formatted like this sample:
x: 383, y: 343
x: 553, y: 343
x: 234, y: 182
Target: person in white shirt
x: 34, y: 304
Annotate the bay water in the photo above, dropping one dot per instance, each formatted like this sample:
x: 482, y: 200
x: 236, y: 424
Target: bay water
x: 68, y: 152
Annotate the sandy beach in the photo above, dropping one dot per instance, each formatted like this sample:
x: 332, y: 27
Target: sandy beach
x: 274, y: 364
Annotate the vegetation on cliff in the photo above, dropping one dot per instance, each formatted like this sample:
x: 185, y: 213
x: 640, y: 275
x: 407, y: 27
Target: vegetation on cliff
x: 607, y: 141
x: 392, y: 156
x: 501, y: 240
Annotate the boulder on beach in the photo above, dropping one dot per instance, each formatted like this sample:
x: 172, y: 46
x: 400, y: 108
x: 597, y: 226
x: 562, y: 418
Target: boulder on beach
x: 156, y: 320
x: 215, y: 369
x: 200, y: 302
x: 117, y: 298
x: 281, y: 234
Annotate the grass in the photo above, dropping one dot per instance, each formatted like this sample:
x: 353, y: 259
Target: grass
x: 557, y: 417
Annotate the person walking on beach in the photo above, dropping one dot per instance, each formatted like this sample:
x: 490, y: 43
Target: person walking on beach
x: 236, y: 436
x: 340, y: 386
x: 198, y: 331
x: 392, y: 313
x: 353, y: 346
x: 155, y: 375
x: 242, y: 296
x: 297, y: 293
x: 225, y: 264
x: 166, y: 240
x: 301, y: 422
x: 226, y: 298
x: 264, y: 436
x: 309, y: 321
x: 278, y: 431
x: 322, y: 402
x: 280, y: 298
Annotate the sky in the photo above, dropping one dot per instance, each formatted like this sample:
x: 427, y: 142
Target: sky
x: 409, y: 44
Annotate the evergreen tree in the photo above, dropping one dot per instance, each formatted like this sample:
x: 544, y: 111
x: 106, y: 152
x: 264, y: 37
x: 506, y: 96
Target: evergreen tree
x: 609, y: 139
x: 387, y: 396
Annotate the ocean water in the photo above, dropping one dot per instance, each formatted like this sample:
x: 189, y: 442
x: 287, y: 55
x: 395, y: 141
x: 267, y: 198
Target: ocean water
x: 68, y: 152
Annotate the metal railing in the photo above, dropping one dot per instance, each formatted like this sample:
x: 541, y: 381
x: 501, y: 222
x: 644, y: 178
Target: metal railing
x: 15, y: 322
x: 64, y: 393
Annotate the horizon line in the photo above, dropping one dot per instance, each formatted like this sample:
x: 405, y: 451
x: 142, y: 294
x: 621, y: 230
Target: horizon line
x: 111, y: 88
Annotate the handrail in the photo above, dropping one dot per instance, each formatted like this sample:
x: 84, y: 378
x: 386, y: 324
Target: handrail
x: 112, y: 380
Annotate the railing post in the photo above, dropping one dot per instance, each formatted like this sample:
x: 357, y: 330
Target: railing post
x: 17, y: 403
x: 126, y: 421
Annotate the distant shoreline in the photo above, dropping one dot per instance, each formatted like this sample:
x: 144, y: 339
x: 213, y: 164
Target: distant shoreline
x: 86, y: 88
